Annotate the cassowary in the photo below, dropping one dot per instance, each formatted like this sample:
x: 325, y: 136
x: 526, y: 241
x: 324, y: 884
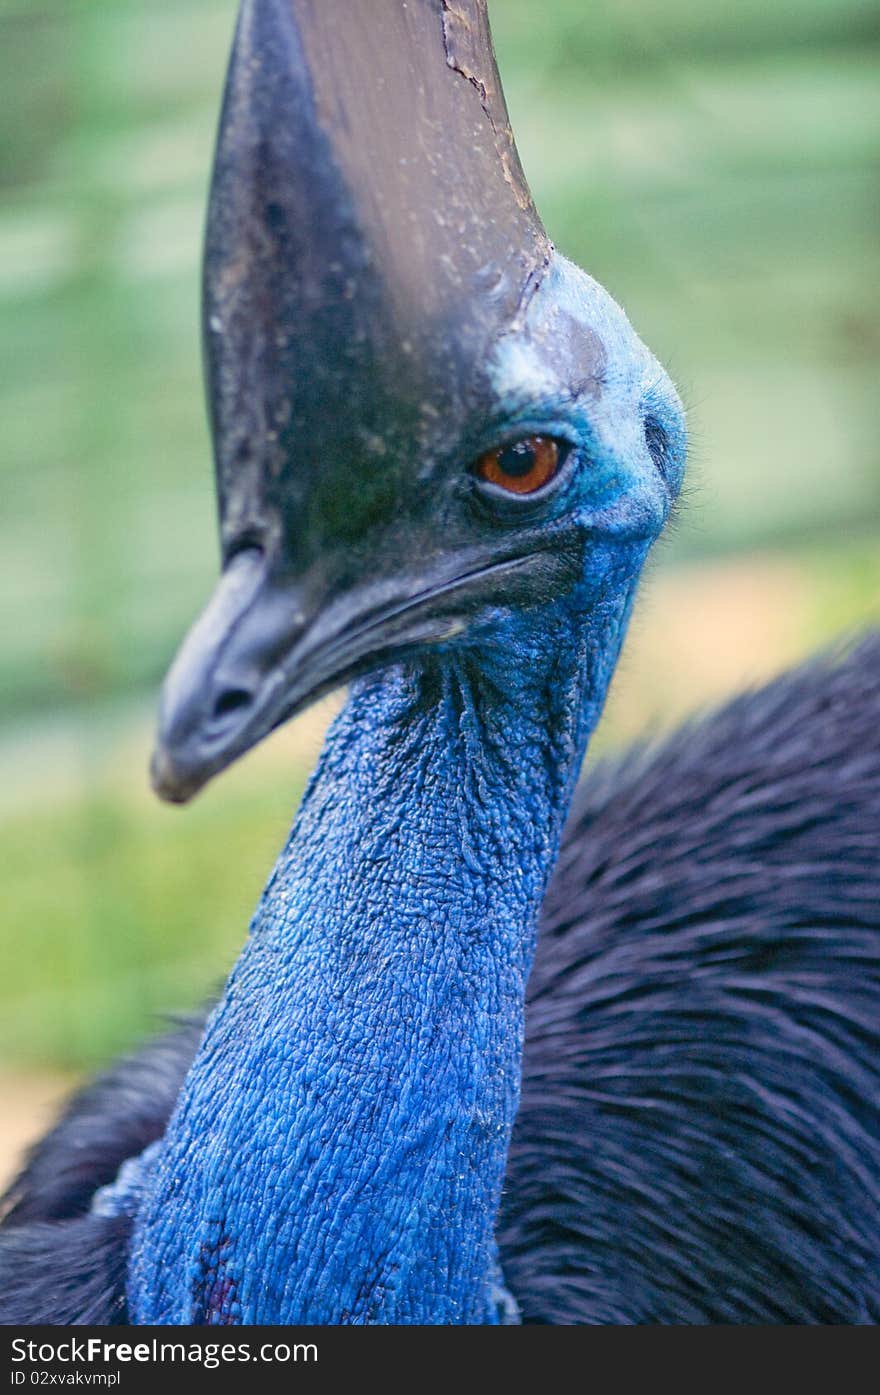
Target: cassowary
x: 442, y: 457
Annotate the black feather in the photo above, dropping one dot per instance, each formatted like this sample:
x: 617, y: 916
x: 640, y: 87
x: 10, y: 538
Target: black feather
x: 58, y: 1264
x: 61, y: 1273
x: 699, y: 1135
x: 114, y: 1118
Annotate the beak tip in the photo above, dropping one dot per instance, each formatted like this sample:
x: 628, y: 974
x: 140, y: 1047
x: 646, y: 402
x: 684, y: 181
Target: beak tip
x: 168, y: 781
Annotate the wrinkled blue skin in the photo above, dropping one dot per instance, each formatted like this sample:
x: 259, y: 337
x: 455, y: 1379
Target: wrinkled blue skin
x: 338, y: 1150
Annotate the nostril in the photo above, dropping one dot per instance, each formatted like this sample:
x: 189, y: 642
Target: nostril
x: 231, y: 700
x: 657, y: 441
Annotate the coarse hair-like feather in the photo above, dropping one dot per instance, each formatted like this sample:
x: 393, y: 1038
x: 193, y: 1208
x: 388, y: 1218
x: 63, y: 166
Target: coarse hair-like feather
x: 699, y: 1133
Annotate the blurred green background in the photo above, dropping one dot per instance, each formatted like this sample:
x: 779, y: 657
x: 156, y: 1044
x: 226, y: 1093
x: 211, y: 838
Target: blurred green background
x: 716, y: 167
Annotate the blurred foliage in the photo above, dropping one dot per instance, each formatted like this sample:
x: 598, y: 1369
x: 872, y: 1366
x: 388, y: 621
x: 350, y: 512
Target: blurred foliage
x: 715, y: 167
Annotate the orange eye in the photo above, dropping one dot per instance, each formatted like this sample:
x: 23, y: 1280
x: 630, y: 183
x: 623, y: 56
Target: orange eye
x: 522, y: 467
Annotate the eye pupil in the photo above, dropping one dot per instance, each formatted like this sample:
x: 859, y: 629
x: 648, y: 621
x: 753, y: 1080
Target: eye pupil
x: 522, y: 467
x: 517, y: 459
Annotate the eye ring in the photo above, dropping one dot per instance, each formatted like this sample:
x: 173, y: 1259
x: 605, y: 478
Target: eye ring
x: 522, y: 468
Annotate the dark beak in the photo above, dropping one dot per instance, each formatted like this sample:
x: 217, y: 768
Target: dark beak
x: 268, y: 645
x: 217, y: 698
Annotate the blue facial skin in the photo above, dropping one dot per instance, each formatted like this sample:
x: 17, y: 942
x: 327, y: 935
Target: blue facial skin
x: 338, y: 1150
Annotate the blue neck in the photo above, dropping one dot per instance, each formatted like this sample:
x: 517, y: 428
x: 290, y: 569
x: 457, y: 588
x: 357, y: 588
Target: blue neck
x: 338, y: 1151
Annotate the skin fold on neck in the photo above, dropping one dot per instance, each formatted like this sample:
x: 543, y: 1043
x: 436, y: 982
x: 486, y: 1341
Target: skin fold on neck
x: 339, y: 1147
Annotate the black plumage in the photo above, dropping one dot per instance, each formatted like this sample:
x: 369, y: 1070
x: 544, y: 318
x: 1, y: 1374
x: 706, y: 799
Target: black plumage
x: 699, y: 1134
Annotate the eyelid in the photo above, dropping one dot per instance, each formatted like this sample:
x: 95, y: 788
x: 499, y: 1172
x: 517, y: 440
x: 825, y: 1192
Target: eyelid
x: 509, y: 432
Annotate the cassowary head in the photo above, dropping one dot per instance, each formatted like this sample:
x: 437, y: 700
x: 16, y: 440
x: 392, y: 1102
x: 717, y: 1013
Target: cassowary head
x: 424, y: 418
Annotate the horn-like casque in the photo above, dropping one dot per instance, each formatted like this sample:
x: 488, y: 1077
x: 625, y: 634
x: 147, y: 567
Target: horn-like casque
x: 370, y: 234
